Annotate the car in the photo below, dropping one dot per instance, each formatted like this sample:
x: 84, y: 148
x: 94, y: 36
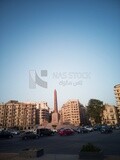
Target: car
x: 89, y: 128
x: 59, y: 129
x: 14, y: 132
x: 54, y: 130
x: 82, y: 130
x: 117, y: 127
x: 105, y: 129
x: 97, y: 128
x: 65, y: 132
x: 29, y: 135
x: 76, y: 130
x: 22, y: 132
x: 45, y: 132
x: 6, y: 134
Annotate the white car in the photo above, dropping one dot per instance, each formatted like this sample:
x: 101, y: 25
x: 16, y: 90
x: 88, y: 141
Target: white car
x: 14, y: 132
x: 117, y: 127
x: 90, y: 129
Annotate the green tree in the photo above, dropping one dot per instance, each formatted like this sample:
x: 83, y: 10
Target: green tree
x: 94, y: 109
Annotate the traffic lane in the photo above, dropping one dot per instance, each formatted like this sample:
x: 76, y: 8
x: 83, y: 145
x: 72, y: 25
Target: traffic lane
x: 71, y: 145
x: 66, y: 144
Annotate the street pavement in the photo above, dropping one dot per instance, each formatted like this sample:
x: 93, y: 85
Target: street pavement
x: 15, y: 156
x: 66, y: 146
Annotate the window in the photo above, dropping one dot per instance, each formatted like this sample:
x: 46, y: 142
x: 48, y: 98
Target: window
x: 112, y: 117
x: 111, y: 110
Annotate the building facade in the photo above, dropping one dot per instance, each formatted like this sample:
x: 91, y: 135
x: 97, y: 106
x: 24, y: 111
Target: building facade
x: 18, y: 114
x: 72, y: 112
x: 109, y: 116
x: 42, y: 114
x: 117, y: 96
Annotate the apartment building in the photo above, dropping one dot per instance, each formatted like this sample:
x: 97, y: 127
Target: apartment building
x: 18, y: 114
x: 110, y: 116
x: 42, y: 114
x: 1, y: 115
x: 72, y: 112
x: 117, y: 96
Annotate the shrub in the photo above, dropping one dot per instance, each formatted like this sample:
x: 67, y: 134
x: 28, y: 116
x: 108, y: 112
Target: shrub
x: 90, y: 148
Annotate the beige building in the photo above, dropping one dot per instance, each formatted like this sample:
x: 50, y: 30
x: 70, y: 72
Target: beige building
x: 72, y: 112
x: 1, y: 115
x: 18, y: 114
x: 109, y: 115
x: 42, y: 113
x: 117, y: 96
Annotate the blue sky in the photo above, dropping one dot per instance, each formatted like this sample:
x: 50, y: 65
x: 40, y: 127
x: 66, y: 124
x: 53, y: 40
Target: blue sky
x: 78, y: 36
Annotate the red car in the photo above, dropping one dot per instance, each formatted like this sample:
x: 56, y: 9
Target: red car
x: 65, y: 132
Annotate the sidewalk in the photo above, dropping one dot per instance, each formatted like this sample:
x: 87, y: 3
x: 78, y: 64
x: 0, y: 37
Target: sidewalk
x: 15, y: 156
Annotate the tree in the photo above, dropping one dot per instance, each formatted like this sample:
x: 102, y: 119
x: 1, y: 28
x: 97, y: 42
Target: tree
x: 94, y: 109
x: 54, y: 126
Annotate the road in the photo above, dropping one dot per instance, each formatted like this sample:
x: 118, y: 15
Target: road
x: 110, y: 143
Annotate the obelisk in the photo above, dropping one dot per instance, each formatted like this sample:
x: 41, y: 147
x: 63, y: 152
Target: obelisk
x: 55, y: 102
x: 55, y: 115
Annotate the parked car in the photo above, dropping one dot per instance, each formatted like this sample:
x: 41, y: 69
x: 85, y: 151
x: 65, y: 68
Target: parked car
x: 5, y: 134
x: 76, y: 130
x: 117, y: 127
x: 82, y: 130
x: 29, y: 135
x: 14, y: 132
x: 97, y: 128
x: 54, y: 130
x: 65, y: 132
x: 105, y: 129
x: 22, y: 132
x: 59, y: 129
x: 45, y: 132
x: 89, y: 128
